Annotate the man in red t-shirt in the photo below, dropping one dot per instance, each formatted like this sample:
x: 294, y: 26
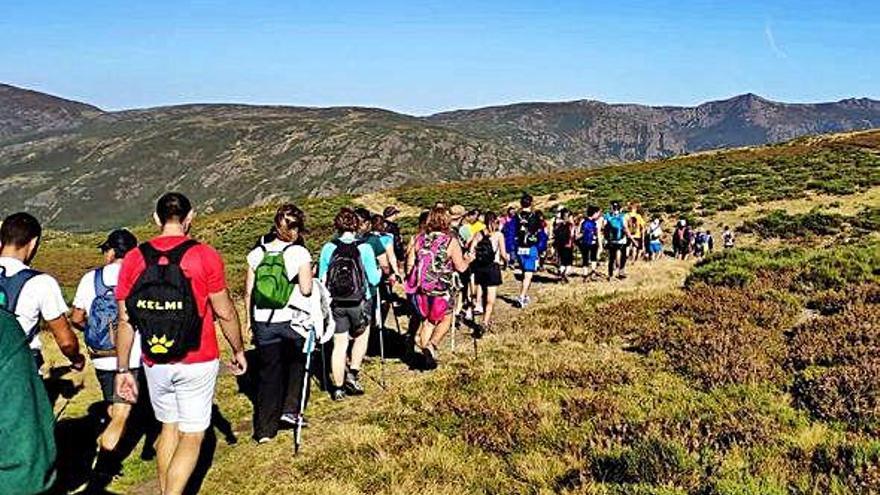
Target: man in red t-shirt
x: 181, y: 392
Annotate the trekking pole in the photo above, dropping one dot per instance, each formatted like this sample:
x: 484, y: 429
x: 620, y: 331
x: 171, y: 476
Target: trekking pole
x: 454, y: 326
x: 297, y: 439
x: 324, y: 366
x: 63, y: 408
x: 381, y: 339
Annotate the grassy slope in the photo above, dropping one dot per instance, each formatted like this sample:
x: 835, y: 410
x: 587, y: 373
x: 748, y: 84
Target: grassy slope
x: 557, y: 402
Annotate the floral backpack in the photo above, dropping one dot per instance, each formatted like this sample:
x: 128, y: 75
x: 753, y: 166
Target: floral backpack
x: 432, y: 274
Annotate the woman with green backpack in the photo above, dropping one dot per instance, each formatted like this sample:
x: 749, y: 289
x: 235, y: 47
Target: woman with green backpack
x: 274, y: 269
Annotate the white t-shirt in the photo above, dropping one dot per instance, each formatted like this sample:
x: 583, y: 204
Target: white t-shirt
x: 85, y: 294
x: 294, y: 258
x: 40, y: 297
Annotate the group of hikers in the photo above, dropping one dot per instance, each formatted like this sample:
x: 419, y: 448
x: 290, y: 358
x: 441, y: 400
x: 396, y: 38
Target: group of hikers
x: 148, y: 314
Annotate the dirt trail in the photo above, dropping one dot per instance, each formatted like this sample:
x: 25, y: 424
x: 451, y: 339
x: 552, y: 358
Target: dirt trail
x: 336, y: 423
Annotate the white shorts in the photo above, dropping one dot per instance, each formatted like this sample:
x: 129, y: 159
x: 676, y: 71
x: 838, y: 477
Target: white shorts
x: 183, y: 393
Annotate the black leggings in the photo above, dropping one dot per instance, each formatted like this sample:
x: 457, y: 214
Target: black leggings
x: 613, y: 250
x: 281, y: 372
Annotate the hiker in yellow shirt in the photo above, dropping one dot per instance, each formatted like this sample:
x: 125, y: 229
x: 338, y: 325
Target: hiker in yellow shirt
x: 636, y: 224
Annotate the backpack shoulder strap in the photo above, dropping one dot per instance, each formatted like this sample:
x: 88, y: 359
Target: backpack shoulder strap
x: 176, y: 254
x: 101, y: 288
x: 14, y: 284
x: 347, y: 248
x: 420, y: 242
x: 151, y: 255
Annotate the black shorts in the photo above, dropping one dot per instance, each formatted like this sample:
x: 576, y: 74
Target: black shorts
x: 107, y: 381
x: 590, y: 253
x: 488, y: 277
x: 566, y: 256
x: 353, y: 319
x: 638, y: 243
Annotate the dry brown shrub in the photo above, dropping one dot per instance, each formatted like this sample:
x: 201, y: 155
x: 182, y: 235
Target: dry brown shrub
x: 848, y: 393
x: 577, y: 375
x: 493, y: 426
x: 720, y: 335
x: 834, y: 301
x: 848, y: 337
x: 851, y: 464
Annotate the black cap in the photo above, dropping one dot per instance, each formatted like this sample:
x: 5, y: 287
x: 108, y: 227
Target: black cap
x: 615, y: 205
x: 120, y: 241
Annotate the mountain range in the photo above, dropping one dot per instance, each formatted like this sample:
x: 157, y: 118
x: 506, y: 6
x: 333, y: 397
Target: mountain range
x: 80, y: 168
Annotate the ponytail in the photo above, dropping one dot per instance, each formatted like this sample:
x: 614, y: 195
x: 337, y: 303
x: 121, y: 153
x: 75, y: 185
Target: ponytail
x: 289, y: 222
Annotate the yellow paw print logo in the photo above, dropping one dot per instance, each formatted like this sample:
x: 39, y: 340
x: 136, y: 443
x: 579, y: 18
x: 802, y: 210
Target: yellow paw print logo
x: 159, y: 345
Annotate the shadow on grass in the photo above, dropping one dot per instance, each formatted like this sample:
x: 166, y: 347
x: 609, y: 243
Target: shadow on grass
x: 81, y: 466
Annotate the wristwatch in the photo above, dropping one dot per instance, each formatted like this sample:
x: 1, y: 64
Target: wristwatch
x: 120, y: 371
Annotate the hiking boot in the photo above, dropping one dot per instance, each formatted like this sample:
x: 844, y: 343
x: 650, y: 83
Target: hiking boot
x: 338, y: 394
x: 430, y: 360
x: 352, y: 384
x: 621, y: 275
x: 293, y: 419
x: 264, y: 440
x: 148, y: 453
x: 478, y: 310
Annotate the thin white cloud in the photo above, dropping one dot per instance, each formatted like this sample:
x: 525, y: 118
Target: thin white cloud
x: 771, y: 41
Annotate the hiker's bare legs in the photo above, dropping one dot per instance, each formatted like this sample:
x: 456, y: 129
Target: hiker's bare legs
x: 439, y: 331
x: 118, y: 416
x: 183, y: 462
x: 478, y: 297
x: 526, y: 284
x: 359, y: 349
x: 491, y: 294
x: 337, y: 359
x: 166, y: 445
x: 425, y: 332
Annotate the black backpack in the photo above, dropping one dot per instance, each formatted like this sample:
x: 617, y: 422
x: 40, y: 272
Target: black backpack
x: 399, y: 249
x: 162, y: 305
x: 346, y: 276
x: 485, y: 252
x: 527, y: 233
x: 562, y: 234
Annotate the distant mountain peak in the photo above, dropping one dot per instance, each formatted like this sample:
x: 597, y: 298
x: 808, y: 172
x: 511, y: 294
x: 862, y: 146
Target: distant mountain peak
x: 24, y: 111
x: 61, y: 158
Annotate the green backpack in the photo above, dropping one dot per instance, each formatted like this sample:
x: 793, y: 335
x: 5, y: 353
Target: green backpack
x: 27, y: 441
x: 272, y: 288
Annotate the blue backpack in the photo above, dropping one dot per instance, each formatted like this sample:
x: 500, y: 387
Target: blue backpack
x: 103, y: 317
x: 614, y: 227
x: 589, y: 236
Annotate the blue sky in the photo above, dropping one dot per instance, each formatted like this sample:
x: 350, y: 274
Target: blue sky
x: 426, y: 56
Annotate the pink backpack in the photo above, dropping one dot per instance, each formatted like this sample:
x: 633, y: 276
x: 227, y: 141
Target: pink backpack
x: 431, y: 274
